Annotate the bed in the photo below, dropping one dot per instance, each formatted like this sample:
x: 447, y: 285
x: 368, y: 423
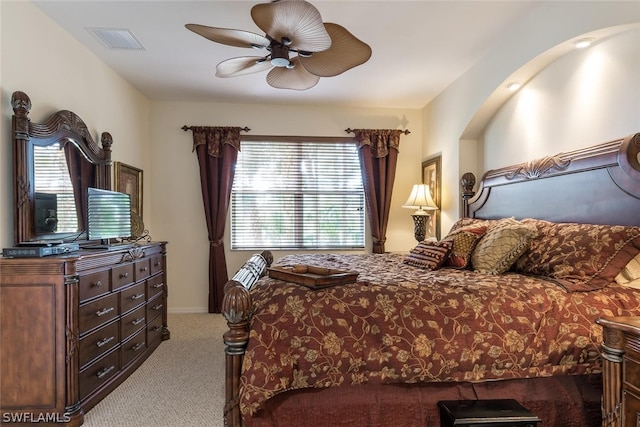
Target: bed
x: 504, y: 306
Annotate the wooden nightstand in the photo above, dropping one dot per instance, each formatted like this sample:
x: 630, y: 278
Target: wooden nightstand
x: 621, y: 371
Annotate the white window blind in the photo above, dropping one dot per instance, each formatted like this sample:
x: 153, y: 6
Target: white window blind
x: 51, y: 179
x: 297, y: 195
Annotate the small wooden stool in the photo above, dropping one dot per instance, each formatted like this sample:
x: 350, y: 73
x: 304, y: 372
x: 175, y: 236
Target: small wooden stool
x: 485, y: 413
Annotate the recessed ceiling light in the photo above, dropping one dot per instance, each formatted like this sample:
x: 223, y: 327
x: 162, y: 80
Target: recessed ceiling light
x: 513, y: 86
x: 583, y: 43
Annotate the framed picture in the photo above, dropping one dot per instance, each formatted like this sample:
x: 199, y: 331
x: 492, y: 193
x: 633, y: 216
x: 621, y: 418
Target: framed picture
x: 128, y: 179
x: 432, y: 176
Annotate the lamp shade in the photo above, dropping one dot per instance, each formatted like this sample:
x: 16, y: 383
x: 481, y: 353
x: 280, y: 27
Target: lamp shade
x: 420, y: 198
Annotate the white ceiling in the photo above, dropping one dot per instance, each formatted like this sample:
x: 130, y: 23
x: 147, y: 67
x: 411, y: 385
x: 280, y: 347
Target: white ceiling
x: 419, y: 47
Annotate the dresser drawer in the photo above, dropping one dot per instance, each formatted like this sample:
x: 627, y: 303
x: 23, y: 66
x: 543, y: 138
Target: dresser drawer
x: 141, y: 269
x: 155, y: 264
x: 154, y: 330
x: 155, y: 285
x: 121, y: 275
x: 132, y: 297
x: 154, y: 308
x: 98, y: 312
x: 99, y: 342
x: 93, y: 285
x: 96, y: 374
x: 133, y: 322
x: 133, y: 347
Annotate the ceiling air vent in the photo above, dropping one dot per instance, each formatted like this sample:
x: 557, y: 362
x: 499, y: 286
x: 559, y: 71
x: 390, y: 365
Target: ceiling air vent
x: 115, y: 38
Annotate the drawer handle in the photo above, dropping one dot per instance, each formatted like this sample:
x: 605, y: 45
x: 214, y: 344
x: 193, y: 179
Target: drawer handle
x: 143, y: 269
x: 105, y: 371
x: 137, y: 346
x: 156, y: 328
x: 138, y: 296
x: 98, y: 284
x: 124, y: 275
x: 156, y: 264
x: 158, y: 285
x: 136, y: 322
x: 104, y: 341
x: 104, y: 311
x: 157, y: 307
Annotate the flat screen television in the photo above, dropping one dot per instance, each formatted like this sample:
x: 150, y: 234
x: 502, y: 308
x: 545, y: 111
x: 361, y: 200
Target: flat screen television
x: 108, y: 215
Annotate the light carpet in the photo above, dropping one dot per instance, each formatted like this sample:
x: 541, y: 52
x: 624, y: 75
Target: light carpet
x: 180, y: 384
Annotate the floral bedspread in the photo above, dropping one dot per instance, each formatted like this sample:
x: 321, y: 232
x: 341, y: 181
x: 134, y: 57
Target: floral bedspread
x: 402, y: 324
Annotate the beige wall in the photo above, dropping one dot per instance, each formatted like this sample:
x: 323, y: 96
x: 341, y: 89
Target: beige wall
x: 455, y: 121
x: 58, y: 73
x: 586, y: 97
x: 148, y: 135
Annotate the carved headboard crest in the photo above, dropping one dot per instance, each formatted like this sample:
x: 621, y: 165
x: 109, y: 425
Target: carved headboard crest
x: 537, y: 168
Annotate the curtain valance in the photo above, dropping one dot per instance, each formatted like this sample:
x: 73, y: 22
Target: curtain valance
x: 380, y: 140
x: 214, y: 137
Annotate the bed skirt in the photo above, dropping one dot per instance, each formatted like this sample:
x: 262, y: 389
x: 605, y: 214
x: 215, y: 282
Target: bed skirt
x: 566, y: 401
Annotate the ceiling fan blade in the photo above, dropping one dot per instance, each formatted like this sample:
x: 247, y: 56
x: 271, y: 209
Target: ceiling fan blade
x: 241, y: 66
x: 238, y: 38
x: 296, y: 78
x: 300, y: 21
x: 346, y: 52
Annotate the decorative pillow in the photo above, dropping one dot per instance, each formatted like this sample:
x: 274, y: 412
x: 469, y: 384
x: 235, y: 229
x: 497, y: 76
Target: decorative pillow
x: 501, y: 246
x: 580, y: 257
x: 429, y: 255
x: 464, y: 241
x: 630, y: 274
x: 465, y: 222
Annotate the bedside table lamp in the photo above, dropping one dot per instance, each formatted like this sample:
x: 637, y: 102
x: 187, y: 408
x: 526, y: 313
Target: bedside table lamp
x: 420, y: 199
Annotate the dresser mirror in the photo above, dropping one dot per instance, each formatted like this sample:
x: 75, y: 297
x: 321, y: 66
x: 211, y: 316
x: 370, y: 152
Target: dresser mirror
x: 54, y: 163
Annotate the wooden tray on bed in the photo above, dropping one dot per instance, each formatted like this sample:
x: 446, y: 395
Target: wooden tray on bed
x: 311, y: 276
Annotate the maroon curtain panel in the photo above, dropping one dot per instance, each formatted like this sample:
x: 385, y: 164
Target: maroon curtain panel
x: 217, y: 152
x: 378, y: 157
x: 83, y: 175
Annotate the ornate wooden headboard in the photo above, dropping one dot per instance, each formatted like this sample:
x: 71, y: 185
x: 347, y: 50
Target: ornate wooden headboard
x: 595, y: 185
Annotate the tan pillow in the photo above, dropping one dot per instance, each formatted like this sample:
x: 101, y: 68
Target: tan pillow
x: 501, y: 246
x: 630, y: 274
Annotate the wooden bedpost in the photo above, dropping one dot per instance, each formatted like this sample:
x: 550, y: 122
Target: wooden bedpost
x: 237, y: 307
x: 467, y: 182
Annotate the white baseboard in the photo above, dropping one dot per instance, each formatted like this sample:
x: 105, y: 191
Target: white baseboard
x: 187, y: 310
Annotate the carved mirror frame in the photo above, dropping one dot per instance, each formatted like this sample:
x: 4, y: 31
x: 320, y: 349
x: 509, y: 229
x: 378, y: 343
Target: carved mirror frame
x: 64, y: 127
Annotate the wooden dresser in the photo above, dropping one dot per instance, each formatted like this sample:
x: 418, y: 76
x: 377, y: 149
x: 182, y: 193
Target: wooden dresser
x: 621, y: 371
x: 73, y: 327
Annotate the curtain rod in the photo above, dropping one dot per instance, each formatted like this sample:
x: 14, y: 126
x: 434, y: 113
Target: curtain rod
x: 186, y: 128
x: 406, y: 131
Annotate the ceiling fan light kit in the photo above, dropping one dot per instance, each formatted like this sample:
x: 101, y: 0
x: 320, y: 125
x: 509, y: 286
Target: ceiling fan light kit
x: 291, y: 27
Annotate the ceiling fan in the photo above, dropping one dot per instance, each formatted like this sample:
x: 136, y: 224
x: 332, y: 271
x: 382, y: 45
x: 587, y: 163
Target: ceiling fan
x: 291, y: 27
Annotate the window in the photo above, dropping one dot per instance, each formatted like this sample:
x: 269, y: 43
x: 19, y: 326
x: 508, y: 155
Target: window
x: 297, y: 194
